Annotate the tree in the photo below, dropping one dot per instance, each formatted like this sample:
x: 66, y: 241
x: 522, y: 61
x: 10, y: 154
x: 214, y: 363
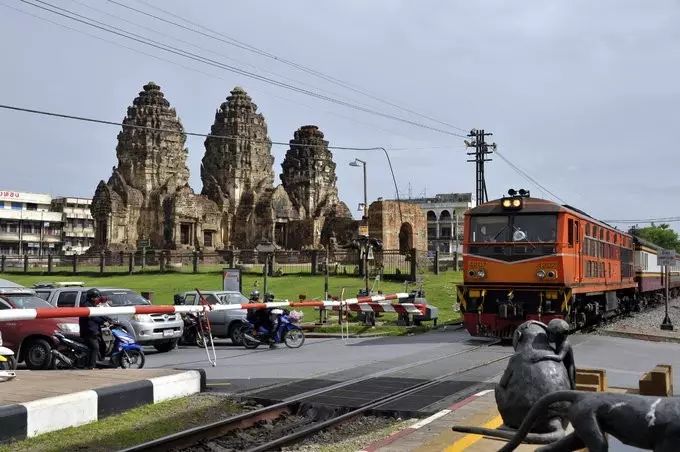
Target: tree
x: 661, y: 235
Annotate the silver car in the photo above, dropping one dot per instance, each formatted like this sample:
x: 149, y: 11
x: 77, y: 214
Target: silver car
x: 162, y: 331
x: 223, y: 324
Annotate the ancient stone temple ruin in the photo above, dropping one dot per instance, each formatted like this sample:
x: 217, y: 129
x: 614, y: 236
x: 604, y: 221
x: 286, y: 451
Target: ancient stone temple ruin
x: 148, y: 196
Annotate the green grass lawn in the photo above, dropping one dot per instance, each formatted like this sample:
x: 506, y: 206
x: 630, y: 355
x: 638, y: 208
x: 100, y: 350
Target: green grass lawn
x: 440, y: 289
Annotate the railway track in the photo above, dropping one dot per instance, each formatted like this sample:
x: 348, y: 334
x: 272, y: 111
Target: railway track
x: 299, y: 427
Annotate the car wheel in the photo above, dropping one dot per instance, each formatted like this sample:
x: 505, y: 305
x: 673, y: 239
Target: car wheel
x: 38, y: 354
x: 165, y: 347
x: 236, y: 334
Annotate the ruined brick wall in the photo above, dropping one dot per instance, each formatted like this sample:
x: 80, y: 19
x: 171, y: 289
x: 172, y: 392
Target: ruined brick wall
x: 398, y: 231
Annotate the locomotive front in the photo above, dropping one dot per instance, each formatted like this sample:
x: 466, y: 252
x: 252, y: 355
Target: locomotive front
x: 514, y: 264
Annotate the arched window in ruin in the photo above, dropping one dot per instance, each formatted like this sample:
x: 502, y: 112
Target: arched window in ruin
x: 445, y: 216
x: 431, y: 216
x: 405, y: 237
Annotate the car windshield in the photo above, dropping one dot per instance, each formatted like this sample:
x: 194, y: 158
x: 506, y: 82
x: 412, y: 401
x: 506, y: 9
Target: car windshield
x: 26, y: 301
x: 515, y: 228
x: 124, y: 298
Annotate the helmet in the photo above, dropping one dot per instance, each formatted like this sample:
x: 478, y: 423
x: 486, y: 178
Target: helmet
x: 255, y: 295
x: 92, y: 294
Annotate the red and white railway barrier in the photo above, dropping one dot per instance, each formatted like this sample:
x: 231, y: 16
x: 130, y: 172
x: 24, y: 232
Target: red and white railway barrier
x: 370, y: 303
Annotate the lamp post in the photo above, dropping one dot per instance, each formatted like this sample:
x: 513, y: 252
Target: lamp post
x: 364, y: 219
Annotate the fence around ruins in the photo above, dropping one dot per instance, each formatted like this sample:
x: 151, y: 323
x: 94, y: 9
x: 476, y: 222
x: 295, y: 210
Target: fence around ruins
x: 389, y: 264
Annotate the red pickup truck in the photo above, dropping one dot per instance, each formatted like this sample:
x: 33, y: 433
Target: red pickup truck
x: 31, y: 340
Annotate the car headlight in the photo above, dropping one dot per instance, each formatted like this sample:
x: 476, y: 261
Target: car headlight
x: 144, y: 318
x: 481, y: 273
x: 540, y: 274
x: 72, y: 328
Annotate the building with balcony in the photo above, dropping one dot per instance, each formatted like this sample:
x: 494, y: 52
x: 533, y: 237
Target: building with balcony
x: 78, y: 225
x: 445, y: 220
x: 27, y: 226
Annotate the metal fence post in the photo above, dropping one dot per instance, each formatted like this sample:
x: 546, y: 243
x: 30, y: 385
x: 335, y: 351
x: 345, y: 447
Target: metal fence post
x: 131, y: 262
x: 436, y: 262
x: 315, y: 261
x: 25, y: 263
x: 49, y: 264
x: 101, y: 262
x: 414, y: 264
x: 195, y: 261
x: 75, y: 263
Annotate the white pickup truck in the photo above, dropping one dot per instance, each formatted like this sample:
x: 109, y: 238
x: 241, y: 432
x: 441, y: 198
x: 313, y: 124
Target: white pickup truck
x: 162, y: 331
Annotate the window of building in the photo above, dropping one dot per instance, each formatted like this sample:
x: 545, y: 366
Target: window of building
x: 2, y: 204
x: 17, y: 206
x: 446, y: 232
x: 31, y: 206
x: 208, y: 238
x: 185, y: 234
x: 432, y: 233
x: 27, y: 228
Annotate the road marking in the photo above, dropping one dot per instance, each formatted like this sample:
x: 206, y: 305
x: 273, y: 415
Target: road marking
x: 427, y: 420
x: 469, y: 440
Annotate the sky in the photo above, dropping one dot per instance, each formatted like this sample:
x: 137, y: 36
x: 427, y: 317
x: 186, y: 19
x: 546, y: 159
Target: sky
x: 582, y: 96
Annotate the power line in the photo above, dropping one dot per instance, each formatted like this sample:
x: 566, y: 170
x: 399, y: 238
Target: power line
x: 183, y: 132
x: 646, y: 220
x: 527, y: 176
x: 186, y: 54
x: 249, y: 48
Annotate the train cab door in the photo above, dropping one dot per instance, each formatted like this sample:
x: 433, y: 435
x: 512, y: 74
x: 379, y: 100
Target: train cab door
x: 574, y: 244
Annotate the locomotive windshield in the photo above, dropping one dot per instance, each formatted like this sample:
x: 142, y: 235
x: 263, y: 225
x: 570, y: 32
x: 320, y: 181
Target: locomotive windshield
x: 514, y: 228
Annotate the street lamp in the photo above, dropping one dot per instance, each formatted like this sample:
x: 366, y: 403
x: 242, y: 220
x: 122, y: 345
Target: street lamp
x: 357, y: 163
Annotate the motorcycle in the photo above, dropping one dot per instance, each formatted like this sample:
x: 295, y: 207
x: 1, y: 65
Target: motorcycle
x: 114, y: 343
x: 195, y: 329
x: 7, y: 363
x: 284, y: 330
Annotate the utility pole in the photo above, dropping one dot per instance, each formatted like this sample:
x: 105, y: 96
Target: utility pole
x: 480, y: 153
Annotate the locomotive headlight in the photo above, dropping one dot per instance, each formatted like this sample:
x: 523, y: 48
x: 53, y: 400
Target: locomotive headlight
x: 516, y: 203
x: 507, y: 203
x: 552, y: 274
x: 540, y: 274
x: 481, y: 273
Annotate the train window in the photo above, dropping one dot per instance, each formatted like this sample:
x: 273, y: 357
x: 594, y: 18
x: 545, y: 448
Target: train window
x: 601, y: 234
x: 577, y: 232
x: 587, y: 228
x: 616, y: 238
x: 607, y: 236
x: 490, y: 229
x: 570, y: 233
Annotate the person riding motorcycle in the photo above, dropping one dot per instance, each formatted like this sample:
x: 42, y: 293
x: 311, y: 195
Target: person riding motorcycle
x: 89, y: 326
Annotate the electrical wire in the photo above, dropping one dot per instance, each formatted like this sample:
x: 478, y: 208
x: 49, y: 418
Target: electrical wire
x: 247, y: 47
x: 186, y: 54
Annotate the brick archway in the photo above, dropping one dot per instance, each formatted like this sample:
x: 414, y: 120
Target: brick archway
x: 405, y: 237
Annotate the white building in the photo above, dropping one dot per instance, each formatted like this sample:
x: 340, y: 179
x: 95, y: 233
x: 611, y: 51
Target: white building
x: 78, y: 229
x: 445, y: 218
x: 27, y: 226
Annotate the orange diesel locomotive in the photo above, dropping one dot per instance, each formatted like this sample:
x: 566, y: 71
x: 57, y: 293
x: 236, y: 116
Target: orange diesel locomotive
x: 532, y: 259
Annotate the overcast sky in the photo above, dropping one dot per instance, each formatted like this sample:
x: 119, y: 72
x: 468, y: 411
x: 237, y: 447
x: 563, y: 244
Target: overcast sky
x: 582, y: 95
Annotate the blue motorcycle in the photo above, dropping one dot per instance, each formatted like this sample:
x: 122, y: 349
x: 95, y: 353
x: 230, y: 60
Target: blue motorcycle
x: 284, y: 329
x: 115, y: 343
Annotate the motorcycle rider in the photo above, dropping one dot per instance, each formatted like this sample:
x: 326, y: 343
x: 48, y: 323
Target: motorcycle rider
x: 89, y: 326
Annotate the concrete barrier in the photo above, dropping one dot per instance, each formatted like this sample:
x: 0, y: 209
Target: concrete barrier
x: 25, y: 420
x: 658, y: 381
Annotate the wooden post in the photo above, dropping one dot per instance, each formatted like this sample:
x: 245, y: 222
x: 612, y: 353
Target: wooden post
x: 49, y: 264
x: 25, y: 263
x: 75, y: 264
x: 101, y: 262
